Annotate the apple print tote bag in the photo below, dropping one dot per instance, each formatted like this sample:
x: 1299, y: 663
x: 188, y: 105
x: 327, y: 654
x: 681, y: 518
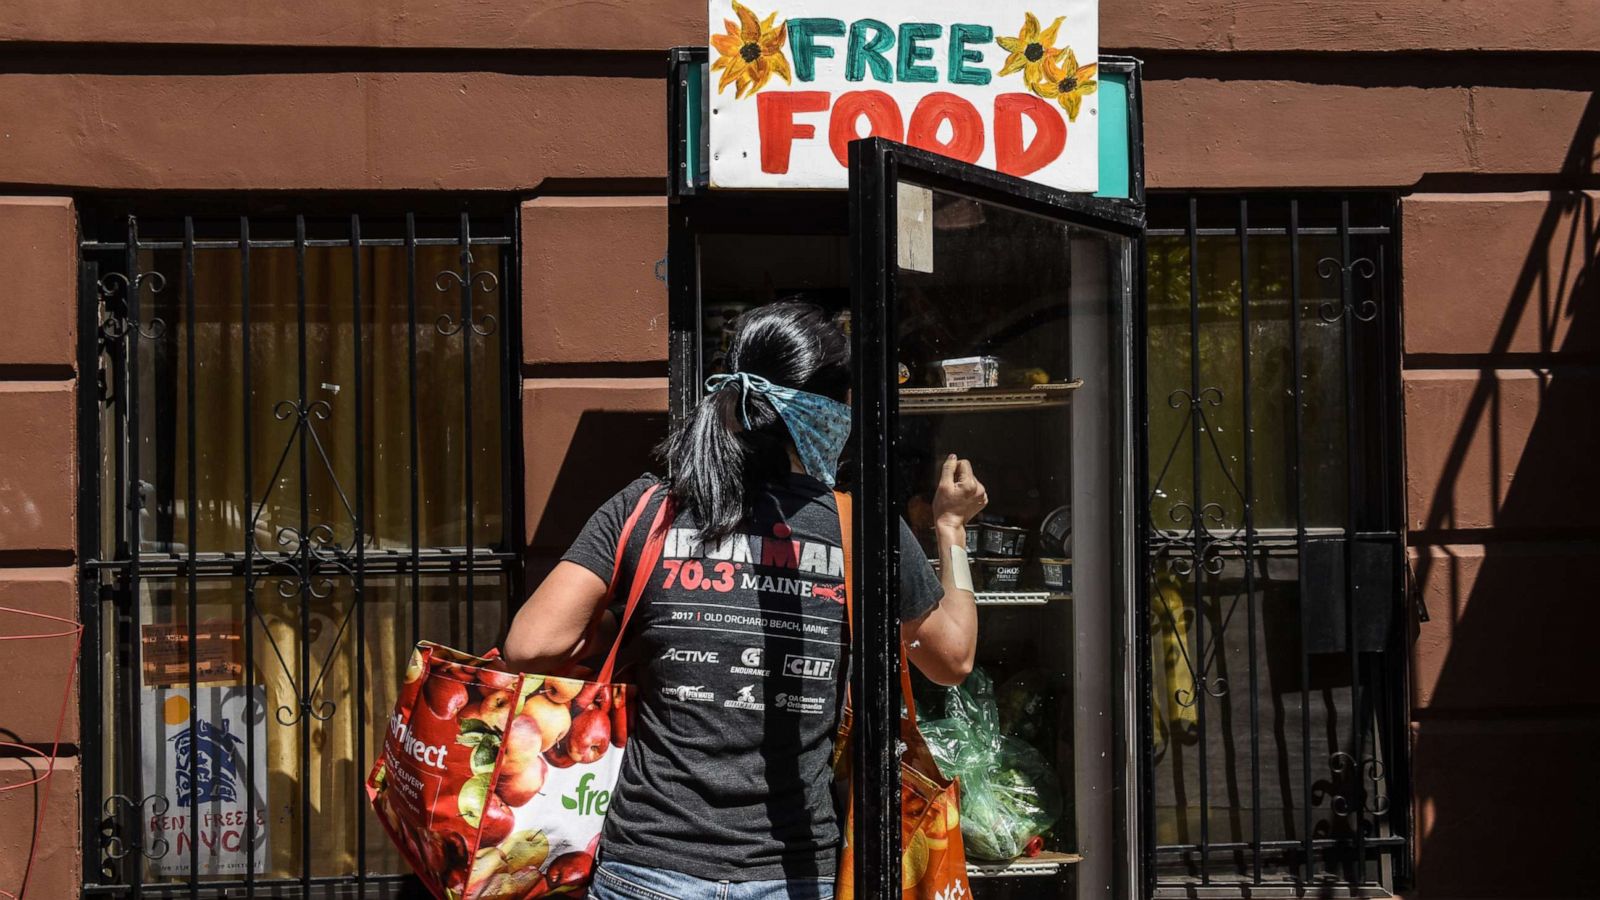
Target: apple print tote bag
x: 494, y: 785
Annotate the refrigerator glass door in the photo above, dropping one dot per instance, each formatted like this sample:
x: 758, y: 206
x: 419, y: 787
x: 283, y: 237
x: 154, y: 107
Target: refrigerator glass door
x: 992, y: 320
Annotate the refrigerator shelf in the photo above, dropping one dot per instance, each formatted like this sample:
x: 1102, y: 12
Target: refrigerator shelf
x: 1046, y: 863
x: 927, y: 401
x: 1018, y: 598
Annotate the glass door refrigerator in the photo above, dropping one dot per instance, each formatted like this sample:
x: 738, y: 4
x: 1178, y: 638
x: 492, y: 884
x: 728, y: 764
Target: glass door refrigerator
x: 995, y: 319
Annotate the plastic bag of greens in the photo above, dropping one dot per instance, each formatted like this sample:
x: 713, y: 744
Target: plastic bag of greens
x: 1009, y: 793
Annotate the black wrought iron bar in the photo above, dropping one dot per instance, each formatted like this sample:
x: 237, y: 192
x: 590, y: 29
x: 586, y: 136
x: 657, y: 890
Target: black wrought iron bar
x: 304, y: 553
x: 391, y: 560
x: 314, y: 243
x: 224, y: 889
x: 1300, y: 533
x: 358, y: 587
x: 1261, y: 231
x: 412, y: 439
x: 1197, y: 498
x: 249, y: 552
x: 1249, y: 537
x: 467, y: 332
x: 193, y: 534
x: 133, y: 504
x: 1347, y: 324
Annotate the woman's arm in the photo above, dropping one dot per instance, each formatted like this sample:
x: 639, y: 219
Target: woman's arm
x: 942, y: 643
x: 548, y: 630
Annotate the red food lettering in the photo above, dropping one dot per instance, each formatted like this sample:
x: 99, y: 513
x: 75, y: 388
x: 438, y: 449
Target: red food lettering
x: 775, y: 114
x: 883, y: 120
x: 966, y: 126
x: 1049, y: 139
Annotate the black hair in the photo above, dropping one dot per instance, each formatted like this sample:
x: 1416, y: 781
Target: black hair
x: 715, y: 463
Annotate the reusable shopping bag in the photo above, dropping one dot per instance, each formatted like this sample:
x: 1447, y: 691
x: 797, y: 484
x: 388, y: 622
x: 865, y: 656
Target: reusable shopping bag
x: 495, y: 785
x: 933, y: 859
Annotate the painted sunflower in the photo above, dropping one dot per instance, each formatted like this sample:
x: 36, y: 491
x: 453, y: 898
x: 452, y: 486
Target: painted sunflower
x: 751, y: 52
x: 1029, y: 49
x: 1066, y: 82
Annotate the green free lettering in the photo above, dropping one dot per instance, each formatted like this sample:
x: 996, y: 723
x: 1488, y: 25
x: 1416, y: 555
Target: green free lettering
x: 875, y: 50
x: 587, y: 802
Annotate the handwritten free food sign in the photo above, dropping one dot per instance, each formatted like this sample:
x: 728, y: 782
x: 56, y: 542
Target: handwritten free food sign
x: 1009, y: 84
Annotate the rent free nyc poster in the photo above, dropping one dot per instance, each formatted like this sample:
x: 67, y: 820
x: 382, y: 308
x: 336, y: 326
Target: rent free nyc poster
x: 1010, y: 85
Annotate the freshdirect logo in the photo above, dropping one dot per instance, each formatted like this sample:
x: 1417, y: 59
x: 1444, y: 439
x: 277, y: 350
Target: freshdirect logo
x: 587, y: 802
x: 419, y: 750
x: 807, y: 666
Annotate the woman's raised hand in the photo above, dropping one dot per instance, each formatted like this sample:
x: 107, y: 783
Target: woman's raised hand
x: 960, y: 494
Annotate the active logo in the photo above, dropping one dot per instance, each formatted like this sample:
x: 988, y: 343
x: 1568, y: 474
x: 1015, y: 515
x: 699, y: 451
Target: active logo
x: 808, y: 666
x: 745, y: 700
x: 691, y: 656
x: 751, y: 661
x: 684, y: 693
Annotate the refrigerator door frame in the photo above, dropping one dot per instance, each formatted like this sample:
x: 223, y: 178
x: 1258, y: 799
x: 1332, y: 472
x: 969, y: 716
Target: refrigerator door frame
x: 877, y: 167
x: 695, y: 209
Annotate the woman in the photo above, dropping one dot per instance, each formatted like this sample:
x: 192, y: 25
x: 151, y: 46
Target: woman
x: 725, y: 789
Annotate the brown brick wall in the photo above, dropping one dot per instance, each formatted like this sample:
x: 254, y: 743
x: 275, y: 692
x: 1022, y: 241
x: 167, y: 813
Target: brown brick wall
x: 1502, y: 310
x: 38, y: 506
x: 1211, y: 25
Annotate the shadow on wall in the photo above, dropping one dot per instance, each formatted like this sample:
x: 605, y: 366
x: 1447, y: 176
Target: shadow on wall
x: 608, y: 450
x: 1507, y: 720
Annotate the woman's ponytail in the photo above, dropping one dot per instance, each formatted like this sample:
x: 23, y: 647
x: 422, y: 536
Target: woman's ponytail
x: 707, y: 461
x: 721, y: 454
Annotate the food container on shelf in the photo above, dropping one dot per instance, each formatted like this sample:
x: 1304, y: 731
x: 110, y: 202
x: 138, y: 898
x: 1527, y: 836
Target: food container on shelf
x: 998, y: 574
x: 1055, y: 574
x: 1055, y: 533
x: 969, y: 372
x: 1002, y: 540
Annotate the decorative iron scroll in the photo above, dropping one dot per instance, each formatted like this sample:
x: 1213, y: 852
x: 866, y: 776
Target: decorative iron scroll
x: 115, y: 290
x: 1334, y: 309
x: 485, y: 280
x: 311, y: 558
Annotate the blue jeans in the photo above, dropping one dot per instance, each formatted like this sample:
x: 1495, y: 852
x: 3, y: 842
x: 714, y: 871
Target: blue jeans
x: 620, y: 881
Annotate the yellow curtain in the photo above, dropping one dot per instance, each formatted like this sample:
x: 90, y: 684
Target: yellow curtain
x: 336, y: 438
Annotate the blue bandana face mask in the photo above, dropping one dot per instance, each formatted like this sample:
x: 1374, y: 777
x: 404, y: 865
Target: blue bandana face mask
x: 819, y: 425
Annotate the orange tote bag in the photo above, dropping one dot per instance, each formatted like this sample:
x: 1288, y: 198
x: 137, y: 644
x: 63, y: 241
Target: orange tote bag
x: 933, y: 860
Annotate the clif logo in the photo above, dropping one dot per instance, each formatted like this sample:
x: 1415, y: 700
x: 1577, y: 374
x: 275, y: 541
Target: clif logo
x: 807, y: 666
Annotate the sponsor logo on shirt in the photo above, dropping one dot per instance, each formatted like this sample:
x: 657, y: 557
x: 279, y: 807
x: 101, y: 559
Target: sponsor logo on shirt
x: 691, y: 656
x: 750, y: 663
x: 745, y: 700
x: 685, y: 693
x: 834, y: 592
x: 796, y: 703
x: 808, y: 666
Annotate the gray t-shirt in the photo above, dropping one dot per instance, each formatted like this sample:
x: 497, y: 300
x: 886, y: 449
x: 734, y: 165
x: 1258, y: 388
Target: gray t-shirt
x: 740, y: 652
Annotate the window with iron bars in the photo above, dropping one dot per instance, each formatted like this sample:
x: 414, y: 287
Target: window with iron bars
x: 300, y: 459
x: 1275, y: 739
